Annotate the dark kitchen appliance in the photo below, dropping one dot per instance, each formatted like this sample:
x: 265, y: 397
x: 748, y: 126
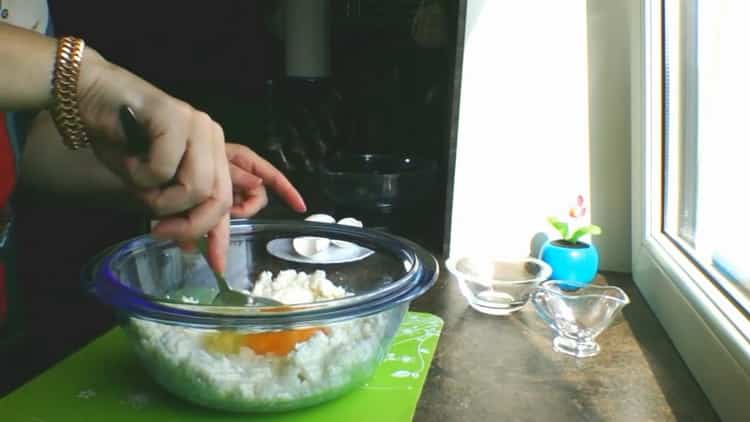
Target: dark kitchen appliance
x: 376, y: 181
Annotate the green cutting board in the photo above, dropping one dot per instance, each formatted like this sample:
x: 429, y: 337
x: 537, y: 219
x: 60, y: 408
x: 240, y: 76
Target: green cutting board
x: 104, y: 382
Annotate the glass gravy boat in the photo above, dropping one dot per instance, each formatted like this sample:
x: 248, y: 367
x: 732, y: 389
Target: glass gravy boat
x: 578, y: 315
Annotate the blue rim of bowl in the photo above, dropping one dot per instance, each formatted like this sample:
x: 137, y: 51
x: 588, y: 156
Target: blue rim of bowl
x: 544, y: 274
x: 99, y: 280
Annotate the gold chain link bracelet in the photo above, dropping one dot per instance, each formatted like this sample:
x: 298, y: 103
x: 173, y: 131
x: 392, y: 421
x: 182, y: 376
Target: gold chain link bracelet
x: 65, y: 111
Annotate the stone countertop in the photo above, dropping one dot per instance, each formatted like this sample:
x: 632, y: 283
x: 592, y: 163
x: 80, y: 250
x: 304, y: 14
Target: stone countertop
x: 491, y: 368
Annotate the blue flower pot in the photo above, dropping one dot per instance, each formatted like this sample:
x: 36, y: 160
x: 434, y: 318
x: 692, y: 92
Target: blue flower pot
x: 576, y: 262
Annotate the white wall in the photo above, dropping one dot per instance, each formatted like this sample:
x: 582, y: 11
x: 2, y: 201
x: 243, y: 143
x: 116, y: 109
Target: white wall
x: 609, y: 117
x: 523, y: 137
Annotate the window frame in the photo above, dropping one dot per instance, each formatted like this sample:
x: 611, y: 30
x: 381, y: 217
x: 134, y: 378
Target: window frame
x: 681, y: 146
x: 705, y: 326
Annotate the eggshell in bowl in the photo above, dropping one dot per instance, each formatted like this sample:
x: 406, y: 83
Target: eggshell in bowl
x: 348, y: 221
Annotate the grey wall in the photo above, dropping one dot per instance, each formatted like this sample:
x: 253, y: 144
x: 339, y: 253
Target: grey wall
x: 609, y: 123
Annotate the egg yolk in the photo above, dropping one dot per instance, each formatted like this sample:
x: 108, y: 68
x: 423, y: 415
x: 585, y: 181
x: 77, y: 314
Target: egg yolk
x: 226, y: 342
x: 278, y: 343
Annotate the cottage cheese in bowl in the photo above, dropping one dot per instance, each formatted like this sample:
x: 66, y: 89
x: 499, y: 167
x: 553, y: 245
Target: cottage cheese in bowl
x: 267, y: 371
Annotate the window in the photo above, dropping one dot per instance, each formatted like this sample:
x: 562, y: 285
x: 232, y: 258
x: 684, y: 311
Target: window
x: 691, y: 126
x: 707, y: 138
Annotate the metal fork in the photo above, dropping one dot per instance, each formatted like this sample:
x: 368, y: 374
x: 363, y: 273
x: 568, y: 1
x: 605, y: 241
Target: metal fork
x: 227, y: 296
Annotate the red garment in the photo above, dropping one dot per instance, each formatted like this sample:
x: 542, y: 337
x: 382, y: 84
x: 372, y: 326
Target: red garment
x: 7, y: 181
x: 7, y: 164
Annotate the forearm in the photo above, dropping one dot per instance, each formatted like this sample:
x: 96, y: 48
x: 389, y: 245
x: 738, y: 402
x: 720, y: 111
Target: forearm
x: 48, y: 166
x: 26, y: 68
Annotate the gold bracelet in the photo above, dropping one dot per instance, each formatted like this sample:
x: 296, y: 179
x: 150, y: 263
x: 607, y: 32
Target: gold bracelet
x: 65, y: 111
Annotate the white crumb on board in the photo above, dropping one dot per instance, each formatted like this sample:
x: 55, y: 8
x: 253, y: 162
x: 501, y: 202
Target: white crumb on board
x: 86, y: 394
x: 405, y: 374
x: 137, y: 400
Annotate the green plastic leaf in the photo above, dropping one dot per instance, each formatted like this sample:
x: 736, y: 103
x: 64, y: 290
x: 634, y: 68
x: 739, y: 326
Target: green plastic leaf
x: 592, y: 229
x: 559, y: 226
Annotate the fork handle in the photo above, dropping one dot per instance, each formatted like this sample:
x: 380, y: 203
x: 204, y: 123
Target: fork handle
x: 135, y: 134
x: 202, y: 244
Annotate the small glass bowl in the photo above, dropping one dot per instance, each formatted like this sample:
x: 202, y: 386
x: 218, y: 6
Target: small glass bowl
x: 498, y: 286
x: 578, y: 315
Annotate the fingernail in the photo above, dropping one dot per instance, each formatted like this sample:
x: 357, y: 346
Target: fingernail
x: 167, y: 229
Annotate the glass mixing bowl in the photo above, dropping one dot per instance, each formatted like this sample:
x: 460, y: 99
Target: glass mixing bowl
x: 263, y: 358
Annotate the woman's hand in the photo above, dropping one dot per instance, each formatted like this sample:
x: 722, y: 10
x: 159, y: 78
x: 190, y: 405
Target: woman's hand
x: 184, y: 180
x: 251, y: 174
x: 190, y: 180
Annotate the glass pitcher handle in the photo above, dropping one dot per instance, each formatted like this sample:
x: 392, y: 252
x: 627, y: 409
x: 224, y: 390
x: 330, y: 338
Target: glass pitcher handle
x: 536, y: 299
